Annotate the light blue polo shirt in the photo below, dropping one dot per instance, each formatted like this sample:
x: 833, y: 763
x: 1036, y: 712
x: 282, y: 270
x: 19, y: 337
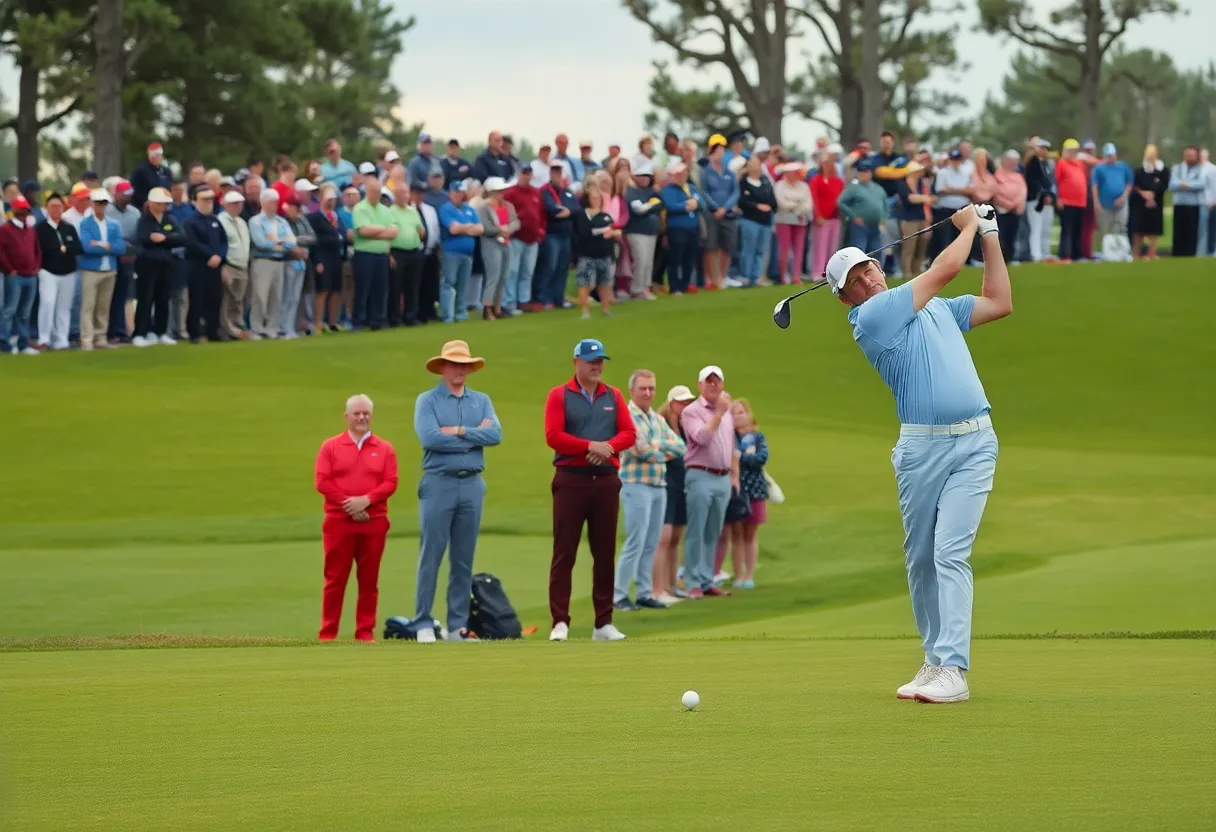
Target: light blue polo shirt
x: 922, y: 355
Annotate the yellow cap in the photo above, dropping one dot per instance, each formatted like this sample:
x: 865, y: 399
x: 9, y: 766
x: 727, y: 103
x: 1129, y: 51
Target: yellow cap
x: 1070, y: 144
x: 717, y: 139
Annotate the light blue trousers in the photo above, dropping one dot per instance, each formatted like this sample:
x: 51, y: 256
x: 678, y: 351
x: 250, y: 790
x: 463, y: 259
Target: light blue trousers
x: 519, y: 277
x: 944, y: 483
x: 642, y: 506
x: 706, y: 496
x: 450, y: 513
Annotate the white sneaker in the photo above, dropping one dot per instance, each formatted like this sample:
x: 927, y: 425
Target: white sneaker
x: 139, y: 341
x: 721, y: 578
x: 426, y: 635
x: 30, y: 351
x: 608, y: 632
x: 908, y: 691
x: 664, y: 598
x: 166, y: 341
x: 947, y: 684
x: 560, y: 632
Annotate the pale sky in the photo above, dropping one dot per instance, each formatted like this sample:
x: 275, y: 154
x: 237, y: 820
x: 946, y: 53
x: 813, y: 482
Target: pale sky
x: 534, y: 68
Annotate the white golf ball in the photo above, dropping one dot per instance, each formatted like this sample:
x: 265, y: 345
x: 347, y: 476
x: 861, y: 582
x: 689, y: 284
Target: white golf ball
x: 690, y: 699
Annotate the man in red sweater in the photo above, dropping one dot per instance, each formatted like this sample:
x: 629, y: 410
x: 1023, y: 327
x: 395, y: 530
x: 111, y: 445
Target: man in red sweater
x: 525, y: 245
x: 20, y: 260
x: 587, y: 424
x: 356, y: 473
x: 1072, y: 186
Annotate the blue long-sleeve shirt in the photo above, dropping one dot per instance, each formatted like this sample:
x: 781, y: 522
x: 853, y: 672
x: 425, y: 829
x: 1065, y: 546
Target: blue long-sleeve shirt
x: 674, y: 199
x: 439, y: 408
x: 1195, y: 181
x: 721, y: 190
x: 259, y: 236
x: 96, y: 258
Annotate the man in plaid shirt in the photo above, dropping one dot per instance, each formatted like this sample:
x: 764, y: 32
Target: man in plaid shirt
x: 643, y: 493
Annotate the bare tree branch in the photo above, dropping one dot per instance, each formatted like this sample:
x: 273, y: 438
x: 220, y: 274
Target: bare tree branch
x: 823, y: 32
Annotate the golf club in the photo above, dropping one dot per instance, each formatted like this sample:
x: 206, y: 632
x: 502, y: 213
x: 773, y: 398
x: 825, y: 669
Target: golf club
x: 781, y: 312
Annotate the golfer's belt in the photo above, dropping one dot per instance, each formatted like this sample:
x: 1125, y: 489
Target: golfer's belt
x: 957, y: 429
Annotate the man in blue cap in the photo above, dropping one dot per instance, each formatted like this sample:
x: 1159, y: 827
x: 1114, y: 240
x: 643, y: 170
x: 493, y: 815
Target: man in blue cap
x: 946, y: 455
x: 1111, y: 183
x: 587, y: 424
x: 459, y: 228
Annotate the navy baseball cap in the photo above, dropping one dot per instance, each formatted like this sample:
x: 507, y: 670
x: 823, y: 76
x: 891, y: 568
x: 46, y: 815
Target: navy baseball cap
x: 956, y: 154
x: 589, y: 349
x: 864, y: 164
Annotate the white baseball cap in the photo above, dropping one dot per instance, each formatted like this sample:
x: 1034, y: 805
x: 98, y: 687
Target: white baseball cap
x: 676, y: 166
x: 680, y: 393
x: 303, y: 185
x: 367, y: 168
x: 392, y: 156
x: 233, y: 196
x: 761, y: 146
x: 841, y: 263
x: 494, y: 183
x: 644, y: 169
x: 710, y: 370
x: 99, y: 195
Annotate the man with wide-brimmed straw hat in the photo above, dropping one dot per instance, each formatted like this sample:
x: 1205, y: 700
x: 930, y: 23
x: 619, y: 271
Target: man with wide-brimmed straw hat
x: 453, y: 424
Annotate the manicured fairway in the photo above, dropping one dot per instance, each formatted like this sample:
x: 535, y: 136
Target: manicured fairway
x: 168, y: 491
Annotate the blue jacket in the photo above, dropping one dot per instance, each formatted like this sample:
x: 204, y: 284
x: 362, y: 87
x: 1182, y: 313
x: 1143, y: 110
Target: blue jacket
x: 721, y: 189
x: 674, y: 197
x: 90, y: 235
x: 454, y: 170
x: 205, y: 237
x: 259, y: 236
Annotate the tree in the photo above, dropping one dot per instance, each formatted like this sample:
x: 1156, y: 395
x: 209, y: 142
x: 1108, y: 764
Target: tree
x: 1080, y: 31
x: 45, y: 48
x: 908, y: 56
x: 746, y: 37
x: 692, y: 111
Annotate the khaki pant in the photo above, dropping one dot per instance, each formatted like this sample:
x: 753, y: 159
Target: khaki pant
x: 642, y: 247
x: 1113, y: 221
x: 96, y: 292
x: 912, y: 252
x: 266, y: 295
x: 232, y: 311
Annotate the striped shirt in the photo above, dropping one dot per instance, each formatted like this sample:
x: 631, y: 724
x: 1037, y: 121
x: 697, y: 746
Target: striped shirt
x: 646, y: 462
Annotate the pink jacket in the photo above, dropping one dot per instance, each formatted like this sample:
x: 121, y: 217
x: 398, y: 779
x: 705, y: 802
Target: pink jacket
x: 1010, y: 196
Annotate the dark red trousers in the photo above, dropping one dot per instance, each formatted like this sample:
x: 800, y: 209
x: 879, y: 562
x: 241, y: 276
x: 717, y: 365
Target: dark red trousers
x: 594, y: 500
x: 349, y: 543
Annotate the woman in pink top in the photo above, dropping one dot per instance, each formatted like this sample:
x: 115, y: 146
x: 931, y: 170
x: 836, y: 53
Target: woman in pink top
x: 826, y: 187
x: 1009, y: 201
x: 983, y: 181
x: 615, y: 183
x: 793, y: 214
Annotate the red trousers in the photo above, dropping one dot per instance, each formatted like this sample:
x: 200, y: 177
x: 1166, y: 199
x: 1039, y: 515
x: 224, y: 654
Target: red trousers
x: 349, y: 543
x: 593, y: 500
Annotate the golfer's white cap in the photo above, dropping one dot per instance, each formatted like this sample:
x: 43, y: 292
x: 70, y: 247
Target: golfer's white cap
x: 841, y: 263
x: 710, y: 370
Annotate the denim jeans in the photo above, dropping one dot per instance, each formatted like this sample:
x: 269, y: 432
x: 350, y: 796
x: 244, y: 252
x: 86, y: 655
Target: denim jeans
x: 555, y: 271
x: 19, y: 293
x: 456, y: 271
x: 371, y: 289
x: 755, y: 239
x: 865, y: 237
x: 519, y: 276
x: 643, y: 507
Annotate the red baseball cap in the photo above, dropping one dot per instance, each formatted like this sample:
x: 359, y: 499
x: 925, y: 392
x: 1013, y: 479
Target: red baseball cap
x: 123, y: 187
x: 20, y: 202
x: 155, y: 148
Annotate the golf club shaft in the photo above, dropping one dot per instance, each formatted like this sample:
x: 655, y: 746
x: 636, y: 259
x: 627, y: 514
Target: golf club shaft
x: 924, y: 230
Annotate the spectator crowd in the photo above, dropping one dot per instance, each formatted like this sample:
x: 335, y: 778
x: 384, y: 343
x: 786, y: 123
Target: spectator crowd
x: 328, y: 245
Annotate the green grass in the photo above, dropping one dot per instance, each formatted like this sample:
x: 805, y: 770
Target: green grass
x: 162, y: 499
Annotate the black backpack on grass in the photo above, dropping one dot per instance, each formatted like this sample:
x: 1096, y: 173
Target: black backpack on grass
x: 491, y: 615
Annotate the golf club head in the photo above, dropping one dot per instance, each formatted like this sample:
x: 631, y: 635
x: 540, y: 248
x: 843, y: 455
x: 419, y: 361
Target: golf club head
x: 781, y: 314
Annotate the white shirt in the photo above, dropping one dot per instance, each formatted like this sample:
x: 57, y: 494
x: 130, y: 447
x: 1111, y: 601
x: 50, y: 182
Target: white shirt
x: 430, y: 218
x: 949, y: 177
x: 107, y: 262
x: 1209, y: 174
x: 74, y: 217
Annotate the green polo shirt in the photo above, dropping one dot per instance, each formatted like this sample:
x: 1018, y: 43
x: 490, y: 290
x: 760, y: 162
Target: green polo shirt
x: 409, y: 228
x: 367, y: 214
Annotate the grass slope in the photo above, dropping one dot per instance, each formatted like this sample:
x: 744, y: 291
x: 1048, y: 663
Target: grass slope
x: 169, y: 492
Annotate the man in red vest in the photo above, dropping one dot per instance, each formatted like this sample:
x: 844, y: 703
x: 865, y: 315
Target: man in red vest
x: 356, y: 473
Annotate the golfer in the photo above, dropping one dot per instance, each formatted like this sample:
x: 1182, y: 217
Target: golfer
x: 356, y: 473
x: 454, y: 424
x: 946, y: 455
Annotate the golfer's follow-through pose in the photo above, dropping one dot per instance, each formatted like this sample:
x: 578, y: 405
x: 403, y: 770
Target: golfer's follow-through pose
x: 946, y: 455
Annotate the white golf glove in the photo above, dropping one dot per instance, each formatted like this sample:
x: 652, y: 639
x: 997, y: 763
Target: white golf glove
x: 987, y: 219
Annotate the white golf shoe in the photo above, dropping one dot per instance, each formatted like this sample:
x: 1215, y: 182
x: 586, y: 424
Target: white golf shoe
x: 908, y: 691
x: 608, y: 632
x: 947, y: 684
x: 560, y: 632
x: 426, y: 636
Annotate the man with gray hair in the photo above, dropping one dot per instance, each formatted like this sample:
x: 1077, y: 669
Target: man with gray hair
x: 643, y: 493
x: 356, y: 472
x: 271, y: 238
